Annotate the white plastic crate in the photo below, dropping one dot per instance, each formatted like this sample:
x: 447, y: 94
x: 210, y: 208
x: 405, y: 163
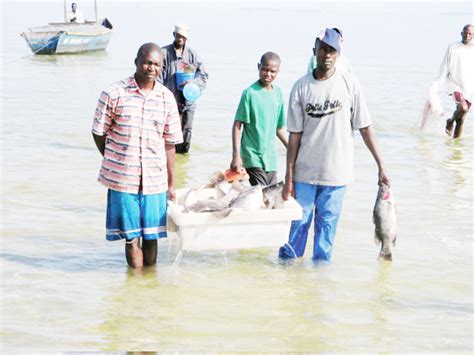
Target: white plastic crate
x: 262, y: 228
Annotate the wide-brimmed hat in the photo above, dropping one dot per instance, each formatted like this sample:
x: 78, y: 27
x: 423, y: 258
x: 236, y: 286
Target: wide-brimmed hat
x: 182, y: 30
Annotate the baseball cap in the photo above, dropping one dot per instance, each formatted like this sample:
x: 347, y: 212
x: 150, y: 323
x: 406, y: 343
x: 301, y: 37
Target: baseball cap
x: 332, y: 38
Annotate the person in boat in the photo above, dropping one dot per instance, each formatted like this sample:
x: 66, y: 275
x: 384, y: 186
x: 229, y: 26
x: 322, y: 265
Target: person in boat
x: 75, y: 15
x: 179, y: 57
x: 325, y: 108
x: 458, y: 70
x: 135, y: 128
x: 259, y: 117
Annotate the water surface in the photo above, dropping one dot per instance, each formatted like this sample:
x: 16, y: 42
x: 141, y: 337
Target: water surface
x: 65, y: 288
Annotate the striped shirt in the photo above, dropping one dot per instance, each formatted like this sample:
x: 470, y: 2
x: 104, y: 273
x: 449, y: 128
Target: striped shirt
x: 136, y: 129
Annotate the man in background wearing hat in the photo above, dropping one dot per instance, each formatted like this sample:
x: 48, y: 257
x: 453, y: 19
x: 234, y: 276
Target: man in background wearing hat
x: 179, y: 55
x: 325, y: 108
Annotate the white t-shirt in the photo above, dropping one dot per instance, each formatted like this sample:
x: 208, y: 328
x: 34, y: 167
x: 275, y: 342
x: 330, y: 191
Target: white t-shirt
x: 77, y: 15
x: 458, y: 69
x: 326, y: 112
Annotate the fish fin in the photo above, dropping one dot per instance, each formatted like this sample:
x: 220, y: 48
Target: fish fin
x: 222, y: 213
x: 185, y: 200
x: 216, y: 177
x: 188, y: 196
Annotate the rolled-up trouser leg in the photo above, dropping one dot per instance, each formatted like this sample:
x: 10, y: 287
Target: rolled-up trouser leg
x: 328, y: 209
x: 305, y: 195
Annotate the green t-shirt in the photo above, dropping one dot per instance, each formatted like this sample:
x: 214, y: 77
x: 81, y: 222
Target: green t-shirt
x: 262, y: 112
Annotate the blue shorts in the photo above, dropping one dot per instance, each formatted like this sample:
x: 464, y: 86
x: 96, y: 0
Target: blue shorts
x: 131, y: 216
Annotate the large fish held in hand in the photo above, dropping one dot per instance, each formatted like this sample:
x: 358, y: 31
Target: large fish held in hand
x: 385, y: 220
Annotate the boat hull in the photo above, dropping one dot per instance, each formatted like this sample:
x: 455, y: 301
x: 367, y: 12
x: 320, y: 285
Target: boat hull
x: 67, y: 38
x: 78, y: 43
x: 42, y: 42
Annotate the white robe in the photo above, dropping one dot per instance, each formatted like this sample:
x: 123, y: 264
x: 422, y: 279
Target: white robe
x: 458, y: 70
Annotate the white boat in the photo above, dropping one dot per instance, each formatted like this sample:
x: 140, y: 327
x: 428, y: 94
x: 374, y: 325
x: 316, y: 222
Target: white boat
x: 69, y: 37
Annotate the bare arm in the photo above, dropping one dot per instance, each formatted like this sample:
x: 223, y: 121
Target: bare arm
x: 170, y: 164
x: 100, y: 143
x: 291, y: 154
x: 368, y: 135
x: 281, y: 134
x: 236, y: 162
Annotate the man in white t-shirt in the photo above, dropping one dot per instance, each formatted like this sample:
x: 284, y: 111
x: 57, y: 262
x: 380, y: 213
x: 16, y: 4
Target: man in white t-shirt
x: 325, y: 108
x: 458, y: 69
x: 75, y: 15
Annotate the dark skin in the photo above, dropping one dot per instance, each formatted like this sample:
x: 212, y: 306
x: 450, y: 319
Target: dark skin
x: 179, y: 44
x: 326, y: 57
x: 149, y: 63
x: 462, y: 108
x: 74, y: 8
x: 179, y: 41
x: 268, y: 69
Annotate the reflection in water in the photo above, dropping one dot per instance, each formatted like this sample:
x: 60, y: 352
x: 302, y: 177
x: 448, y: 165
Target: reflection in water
x: 181, y: 170
x: 446, y: 169
x: 383, y: 307
x: 426, y: 149
x: 79, y: 58
x: 457, y: 146
x: 86, y: 299
x: 133, y: 312
x: 384, y: 291
x: 457, y: 163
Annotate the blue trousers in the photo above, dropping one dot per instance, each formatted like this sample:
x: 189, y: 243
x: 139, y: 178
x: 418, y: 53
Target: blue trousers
x: 325, y: 202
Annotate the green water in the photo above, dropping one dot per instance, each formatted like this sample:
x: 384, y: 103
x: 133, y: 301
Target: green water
x: 64, y: 288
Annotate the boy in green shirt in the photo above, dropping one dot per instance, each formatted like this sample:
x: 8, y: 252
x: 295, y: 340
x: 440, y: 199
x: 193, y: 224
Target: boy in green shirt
x: 261, y: 113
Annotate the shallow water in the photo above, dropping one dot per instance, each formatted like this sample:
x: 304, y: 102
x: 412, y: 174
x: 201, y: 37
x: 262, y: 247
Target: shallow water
x: 65, y: 288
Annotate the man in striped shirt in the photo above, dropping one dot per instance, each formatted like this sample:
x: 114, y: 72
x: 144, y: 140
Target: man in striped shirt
x: 136, y: 127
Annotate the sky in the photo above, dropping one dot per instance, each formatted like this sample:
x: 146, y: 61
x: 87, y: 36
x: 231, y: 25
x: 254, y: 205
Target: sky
x: 222, y: 1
